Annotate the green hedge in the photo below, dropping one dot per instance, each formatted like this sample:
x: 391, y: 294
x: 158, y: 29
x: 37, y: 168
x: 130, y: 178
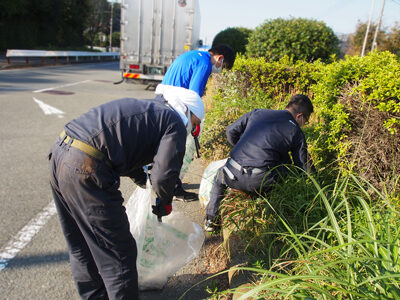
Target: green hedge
x: 302, y: 39
x: 372, y: 83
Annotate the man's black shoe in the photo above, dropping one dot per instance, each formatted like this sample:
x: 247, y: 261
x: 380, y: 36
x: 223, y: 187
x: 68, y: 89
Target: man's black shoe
x: 186, y: 196
x: 211, y: 226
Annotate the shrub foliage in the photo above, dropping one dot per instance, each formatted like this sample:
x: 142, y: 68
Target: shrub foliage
x: 344, y: 94
x: 299, y: 38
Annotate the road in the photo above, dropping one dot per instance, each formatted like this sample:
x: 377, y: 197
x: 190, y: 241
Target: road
x: 35, y: 104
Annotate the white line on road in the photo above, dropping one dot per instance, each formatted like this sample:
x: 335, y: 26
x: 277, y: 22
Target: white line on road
x: 25, y: 235
x: 48, y: 109
x: 61, y: 86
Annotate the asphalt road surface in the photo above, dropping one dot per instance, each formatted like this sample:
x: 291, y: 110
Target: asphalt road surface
x: 35, y: 103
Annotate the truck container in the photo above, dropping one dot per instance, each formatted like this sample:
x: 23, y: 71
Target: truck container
x: 154, y: 33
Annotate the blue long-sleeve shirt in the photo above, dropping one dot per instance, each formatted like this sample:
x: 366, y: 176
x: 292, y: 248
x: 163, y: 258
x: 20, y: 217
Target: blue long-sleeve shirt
x: 190, y: 70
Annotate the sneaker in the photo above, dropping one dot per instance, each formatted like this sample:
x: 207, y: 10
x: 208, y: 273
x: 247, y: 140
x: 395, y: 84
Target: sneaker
x: 210, y: 226
x: 186, y: 196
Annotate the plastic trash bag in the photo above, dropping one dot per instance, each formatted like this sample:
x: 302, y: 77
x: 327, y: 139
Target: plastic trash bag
x: 207, y: 180
x: 189, y: 154
x: 163, y: 248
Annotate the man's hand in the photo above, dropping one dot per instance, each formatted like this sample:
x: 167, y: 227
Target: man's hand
x: 196, y: 131
x: 161, y: 209
x: 195, y: 134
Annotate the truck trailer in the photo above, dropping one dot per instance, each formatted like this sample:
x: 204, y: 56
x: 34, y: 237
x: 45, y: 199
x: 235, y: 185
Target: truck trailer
x: 154, y: 33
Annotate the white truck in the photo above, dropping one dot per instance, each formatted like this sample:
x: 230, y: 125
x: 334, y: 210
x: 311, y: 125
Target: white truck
x: 154, y: 33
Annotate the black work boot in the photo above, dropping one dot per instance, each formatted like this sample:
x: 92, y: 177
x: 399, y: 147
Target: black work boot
x: 182, y: 195
x: 212, y: 224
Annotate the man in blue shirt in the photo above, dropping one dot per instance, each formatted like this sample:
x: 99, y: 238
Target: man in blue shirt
x: 191, y: 71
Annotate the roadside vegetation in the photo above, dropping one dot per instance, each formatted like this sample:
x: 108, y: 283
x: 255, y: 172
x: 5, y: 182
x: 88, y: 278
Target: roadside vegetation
x: 333, y: 234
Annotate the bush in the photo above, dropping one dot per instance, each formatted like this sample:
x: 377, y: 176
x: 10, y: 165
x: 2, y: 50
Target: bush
x: 373, y: 86
x: 252, y: 83
x: 236, y: 37
x: 301, y: 39
x: 344, y: 93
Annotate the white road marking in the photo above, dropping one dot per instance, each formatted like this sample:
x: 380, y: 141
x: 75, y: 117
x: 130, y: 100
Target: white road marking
x: 61, y: 86
x: 48, y: 109
x: 25, y: 235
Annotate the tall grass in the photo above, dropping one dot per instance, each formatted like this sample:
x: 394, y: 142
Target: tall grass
x: 347, y: 246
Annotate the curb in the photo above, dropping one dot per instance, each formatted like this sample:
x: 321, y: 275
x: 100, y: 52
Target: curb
x: 239, y: 280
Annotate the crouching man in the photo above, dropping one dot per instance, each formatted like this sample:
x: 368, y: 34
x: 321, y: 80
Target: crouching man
x: 112, y: 140
x: 261, y: 140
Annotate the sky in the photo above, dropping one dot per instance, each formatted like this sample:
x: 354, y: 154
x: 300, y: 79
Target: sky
x: 341, y: 15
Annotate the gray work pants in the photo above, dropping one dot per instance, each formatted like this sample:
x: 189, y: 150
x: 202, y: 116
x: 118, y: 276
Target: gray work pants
x: 243, y: 181
x: 102, y: 250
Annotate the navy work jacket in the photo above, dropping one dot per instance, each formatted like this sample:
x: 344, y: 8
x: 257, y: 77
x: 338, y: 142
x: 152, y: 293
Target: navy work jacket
x: 132, y: 133
x: 263, y: 138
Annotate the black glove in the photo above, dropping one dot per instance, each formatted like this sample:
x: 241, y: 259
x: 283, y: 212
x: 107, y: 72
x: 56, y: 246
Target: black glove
x: 139, y: 178
x: 161, y: 209
x: 140, y: 183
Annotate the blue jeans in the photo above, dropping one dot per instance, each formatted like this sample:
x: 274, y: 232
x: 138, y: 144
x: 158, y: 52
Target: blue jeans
x: 102, y: 250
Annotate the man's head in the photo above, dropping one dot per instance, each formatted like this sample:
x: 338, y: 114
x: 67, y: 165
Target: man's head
x: 222, y: 56
x: 300, y: 107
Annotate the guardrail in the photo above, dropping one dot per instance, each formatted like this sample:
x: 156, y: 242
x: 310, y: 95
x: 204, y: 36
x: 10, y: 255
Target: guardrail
x: 68, y: 56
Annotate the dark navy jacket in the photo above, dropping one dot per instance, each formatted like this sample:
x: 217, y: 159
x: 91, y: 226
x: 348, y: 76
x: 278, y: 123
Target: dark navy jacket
x: 263, y: 138
x: 133, y: 133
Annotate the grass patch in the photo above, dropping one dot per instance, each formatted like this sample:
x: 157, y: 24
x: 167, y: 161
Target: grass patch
x: 347, y: 246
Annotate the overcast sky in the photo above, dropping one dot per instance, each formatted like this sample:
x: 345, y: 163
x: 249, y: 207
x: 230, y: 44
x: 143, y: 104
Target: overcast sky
x: 341, y: 15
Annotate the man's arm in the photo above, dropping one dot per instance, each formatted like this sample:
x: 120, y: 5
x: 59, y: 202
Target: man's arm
x: 236, y: 129
x: 168, y: 162
x: 301, y: 157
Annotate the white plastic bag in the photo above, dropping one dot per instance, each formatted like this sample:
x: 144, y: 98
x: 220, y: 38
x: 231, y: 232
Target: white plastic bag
x: 189, y: 154
x: 163, y: 248
x: 207, y: 181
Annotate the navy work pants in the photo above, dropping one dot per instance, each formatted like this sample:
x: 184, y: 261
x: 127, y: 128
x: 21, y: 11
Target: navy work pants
x: 102, y: 250
x: 243, y: 181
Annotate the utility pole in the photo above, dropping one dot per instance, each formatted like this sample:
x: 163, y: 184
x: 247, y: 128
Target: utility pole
x: 378, y: 27
x: 367, y: 31
x: 111, y: 24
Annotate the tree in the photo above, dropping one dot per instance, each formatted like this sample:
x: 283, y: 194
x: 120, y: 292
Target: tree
x: 97, y: 20
x: 71, y: 25
x: 42, y: 24
x: 116, y: 38
x: 236, y: 37
x: 388, y: 39
x: 301, y: 39
x: 392, y: 41
x: 357, y: 38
